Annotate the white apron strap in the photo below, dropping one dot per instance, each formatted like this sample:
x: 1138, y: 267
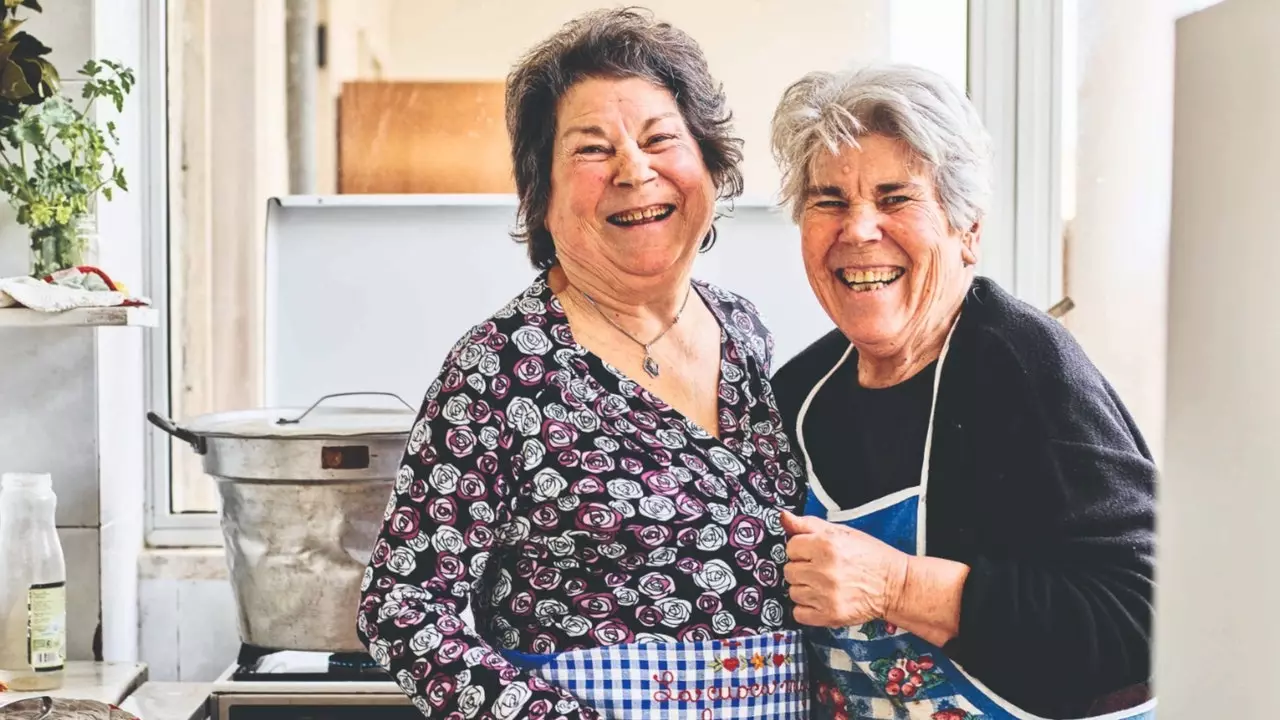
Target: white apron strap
x: 922, y: 503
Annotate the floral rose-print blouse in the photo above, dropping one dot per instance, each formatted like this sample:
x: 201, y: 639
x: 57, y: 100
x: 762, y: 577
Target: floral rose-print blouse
x: 570, y: 508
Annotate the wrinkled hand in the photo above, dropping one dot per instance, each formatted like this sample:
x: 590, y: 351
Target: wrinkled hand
x: 840, y: 576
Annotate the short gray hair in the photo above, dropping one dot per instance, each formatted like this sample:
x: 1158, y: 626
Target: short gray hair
x: 828, y: 110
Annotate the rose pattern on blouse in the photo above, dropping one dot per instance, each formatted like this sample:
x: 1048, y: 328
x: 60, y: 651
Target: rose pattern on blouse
x: 570, y: 508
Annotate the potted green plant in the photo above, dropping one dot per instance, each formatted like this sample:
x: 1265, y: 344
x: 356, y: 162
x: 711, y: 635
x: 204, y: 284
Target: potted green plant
x: 55, y: 161
x: 26, y: 77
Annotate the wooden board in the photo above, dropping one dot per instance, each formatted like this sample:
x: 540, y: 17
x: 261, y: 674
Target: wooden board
x: 423, y: 137
x: 79, y: 317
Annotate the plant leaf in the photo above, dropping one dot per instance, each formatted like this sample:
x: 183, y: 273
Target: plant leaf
x: 11, y: 27
x: 31, y: 133
x: 9, y: 116
x: 49, y: 76
x: 13, y: 83
x: 29, y: 46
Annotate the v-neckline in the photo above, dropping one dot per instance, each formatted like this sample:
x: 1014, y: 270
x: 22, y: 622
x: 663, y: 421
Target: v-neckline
x: 694, y: 429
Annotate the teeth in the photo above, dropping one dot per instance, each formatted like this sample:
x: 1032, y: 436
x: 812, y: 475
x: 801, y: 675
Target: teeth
x: 634, y: 216
x: 867, y: 280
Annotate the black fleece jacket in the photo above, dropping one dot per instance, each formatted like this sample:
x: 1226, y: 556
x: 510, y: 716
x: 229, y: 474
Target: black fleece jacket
x: 1039, y: 481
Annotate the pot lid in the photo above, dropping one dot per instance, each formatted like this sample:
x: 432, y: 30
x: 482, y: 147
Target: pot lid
x: 300, y: 422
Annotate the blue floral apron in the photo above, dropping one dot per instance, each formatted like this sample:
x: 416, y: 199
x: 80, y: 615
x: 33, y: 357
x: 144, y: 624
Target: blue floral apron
x: 761, y: 676
x: 877, y: 671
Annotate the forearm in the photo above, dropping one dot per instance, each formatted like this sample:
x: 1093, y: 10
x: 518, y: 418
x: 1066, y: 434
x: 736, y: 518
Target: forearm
x: 928, y: 598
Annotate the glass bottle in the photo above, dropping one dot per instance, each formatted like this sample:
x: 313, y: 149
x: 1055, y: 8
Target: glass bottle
x: 33, y: 580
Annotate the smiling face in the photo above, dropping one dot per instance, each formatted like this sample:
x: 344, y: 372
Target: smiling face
x: 880, y: 255
x: 631, y: 198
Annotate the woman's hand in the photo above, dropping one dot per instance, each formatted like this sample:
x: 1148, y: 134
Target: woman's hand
x: 840, y: 576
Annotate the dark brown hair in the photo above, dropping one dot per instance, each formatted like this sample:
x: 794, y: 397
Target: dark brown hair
x: 613, y: 43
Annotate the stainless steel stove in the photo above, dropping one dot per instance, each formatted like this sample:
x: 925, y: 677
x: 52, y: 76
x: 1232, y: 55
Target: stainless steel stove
x: 288, y: 685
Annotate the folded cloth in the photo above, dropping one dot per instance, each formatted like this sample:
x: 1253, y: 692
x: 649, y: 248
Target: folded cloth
x: 68, y: 289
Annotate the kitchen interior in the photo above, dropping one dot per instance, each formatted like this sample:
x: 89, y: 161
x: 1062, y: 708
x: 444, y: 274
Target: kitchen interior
x: 309, y: 178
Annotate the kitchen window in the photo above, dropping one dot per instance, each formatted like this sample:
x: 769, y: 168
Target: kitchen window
x: 227, y: 77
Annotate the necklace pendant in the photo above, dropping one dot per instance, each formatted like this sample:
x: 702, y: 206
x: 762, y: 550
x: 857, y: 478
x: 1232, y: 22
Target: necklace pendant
x: 650, y: 366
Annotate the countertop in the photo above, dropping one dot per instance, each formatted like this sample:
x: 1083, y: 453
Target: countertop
x: 105, y: 682
x: 169, y: 701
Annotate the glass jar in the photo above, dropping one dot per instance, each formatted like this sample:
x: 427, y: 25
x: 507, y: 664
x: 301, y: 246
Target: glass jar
x: 57, y: 247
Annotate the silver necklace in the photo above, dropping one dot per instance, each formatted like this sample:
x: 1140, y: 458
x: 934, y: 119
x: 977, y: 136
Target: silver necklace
x: 650, y: 365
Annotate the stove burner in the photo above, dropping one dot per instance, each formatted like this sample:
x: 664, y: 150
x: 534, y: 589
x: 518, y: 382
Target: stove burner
x: 347, y: 663
x: 257, y: 664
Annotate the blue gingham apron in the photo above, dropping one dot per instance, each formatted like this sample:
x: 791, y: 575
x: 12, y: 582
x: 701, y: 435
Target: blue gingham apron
x: 878, y: 671
x: 757, y: 677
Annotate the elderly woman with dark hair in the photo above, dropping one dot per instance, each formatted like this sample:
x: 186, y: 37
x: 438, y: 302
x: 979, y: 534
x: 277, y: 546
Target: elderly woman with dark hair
x: 978, y: 534
x: 599, y: 467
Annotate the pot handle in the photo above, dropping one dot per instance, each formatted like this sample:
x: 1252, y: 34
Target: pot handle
x: 287, y: 421
x: 197, y: 442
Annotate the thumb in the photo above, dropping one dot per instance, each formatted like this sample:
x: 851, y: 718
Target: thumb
x: 800, y: 524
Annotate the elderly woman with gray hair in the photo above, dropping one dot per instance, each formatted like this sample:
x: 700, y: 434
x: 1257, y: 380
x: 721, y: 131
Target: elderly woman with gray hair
x: 599, y: 467
x: 978, y: 535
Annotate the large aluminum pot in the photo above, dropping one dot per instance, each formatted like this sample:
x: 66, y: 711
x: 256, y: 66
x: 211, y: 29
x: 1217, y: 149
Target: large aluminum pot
x: 302, y: 494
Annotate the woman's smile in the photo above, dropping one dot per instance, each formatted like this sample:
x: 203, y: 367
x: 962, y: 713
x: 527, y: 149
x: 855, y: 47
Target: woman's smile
x: 864, y: 281
x: 651, y: 215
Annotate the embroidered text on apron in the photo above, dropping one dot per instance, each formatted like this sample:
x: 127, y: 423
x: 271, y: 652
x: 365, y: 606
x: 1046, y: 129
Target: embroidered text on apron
x: 757, y: 677
x: 879, y: 671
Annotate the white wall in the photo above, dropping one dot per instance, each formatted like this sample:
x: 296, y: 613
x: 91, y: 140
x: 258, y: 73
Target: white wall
x: 188, y: 616
x: 1219, y: 582
x: 1117, y: 252
x: 1117, y: 110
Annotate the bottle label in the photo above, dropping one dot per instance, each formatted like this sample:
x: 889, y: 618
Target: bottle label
x: 47, y: 626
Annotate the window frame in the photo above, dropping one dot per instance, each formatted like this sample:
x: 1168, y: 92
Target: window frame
x: 1014, y: 77
x: 164, y: 528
